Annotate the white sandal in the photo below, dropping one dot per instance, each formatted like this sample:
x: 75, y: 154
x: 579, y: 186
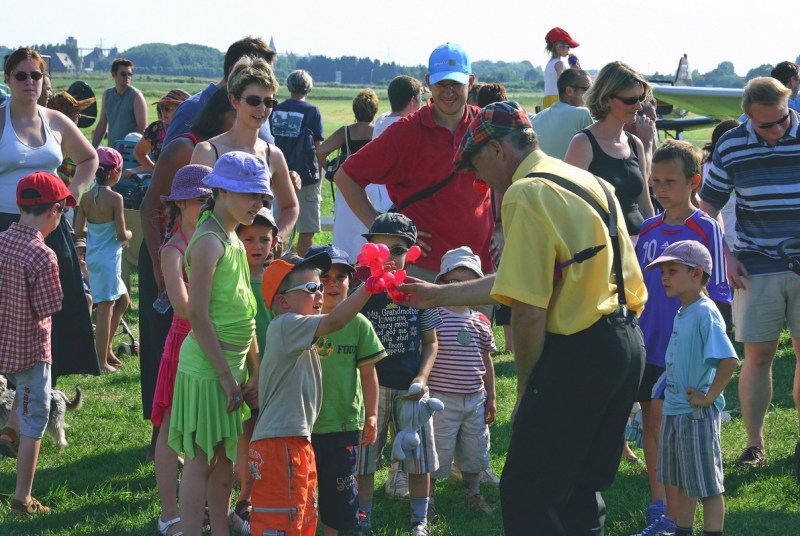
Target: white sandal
x: 164, y: 526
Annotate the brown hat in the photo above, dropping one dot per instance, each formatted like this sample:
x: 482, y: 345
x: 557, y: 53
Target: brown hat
x: 175, y: 96
x: 67, y: 104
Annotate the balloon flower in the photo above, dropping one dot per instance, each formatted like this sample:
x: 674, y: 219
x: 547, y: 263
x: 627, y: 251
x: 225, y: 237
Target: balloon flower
x: 372, y: 270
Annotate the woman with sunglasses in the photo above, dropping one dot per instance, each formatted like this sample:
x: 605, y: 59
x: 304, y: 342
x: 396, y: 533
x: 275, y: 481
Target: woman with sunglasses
x: 251, y: 89
x: 609, y: 152
x: 33, y: 138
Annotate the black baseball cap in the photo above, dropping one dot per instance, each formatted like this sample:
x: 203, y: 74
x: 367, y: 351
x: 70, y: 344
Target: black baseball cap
x: 393, y: 224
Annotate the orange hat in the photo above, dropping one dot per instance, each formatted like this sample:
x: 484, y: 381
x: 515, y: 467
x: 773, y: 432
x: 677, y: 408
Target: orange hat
x: 276, y: 272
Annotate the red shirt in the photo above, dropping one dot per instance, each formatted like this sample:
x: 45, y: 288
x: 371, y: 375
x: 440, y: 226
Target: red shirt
x: 30, y: 293
x: 412, y: 155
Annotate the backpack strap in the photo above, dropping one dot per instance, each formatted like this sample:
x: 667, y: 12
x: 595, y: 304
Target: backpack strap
x: 608, y: 217
x: 427, y: 192
x: 347, y: 139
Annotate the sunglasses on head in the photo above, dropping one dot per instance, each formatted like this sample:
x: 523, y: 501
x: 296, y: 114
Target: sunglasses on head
x: 254, y: 101
x: 630, y: 100
x: 311, y: 288
x: 397, y: 251
x: 771, y: 124
x: 21, y: 76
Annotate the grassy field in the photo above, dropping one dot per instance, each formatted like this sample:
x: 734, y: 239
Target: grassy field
x: 102, y: 485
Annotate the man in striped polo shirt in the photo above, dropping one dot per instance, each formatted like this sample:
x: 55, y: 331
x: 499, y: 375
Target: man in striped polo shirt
x: 760, y: 161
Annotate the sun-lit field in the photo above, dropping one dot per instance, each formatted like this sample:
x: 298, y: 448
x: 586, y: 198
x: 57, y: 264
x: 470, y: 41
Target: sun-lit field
x: 102, y: 485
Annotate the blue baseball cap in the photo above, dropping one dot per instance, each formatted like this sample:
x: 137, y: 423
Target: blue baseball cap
x: 338, y: 256
x: 449, y: 62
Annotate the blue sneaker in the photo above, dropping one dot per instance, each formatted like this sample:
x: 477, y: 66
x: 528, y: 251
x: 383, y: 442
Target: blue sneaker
x: 654, y: 512
x: 364, y: 524
x: 661, y: 527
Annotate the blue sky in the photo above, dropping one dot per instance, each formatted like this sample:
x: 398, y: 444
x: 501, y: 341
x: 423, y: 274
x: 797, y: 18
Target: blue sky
x: 649, y: 36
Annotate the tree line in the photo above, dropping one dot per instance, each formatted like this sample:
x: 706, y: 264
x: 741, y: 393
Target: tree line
x: 198, y: 60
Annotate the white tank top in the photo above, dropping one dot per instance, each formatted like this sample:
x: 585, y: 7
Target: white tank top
x: 551, y: 76
x: 18, y: 159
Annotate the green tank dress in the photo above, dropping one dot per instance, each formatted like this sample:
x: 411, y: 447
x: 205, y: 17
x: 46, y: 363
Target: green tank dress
x: 198, y: 408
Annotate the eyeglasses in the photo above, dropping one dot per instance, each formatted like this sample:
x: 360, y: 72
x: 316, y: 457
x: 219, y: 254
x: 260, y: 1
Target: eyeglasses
x: 254, y: 101
x: 311, y: 288
x: 767, y: 126
x: 21, y: 76
x: 630, y: 101
x: 582, y: 88
x: 397, y: 251
x: 167, y: 107
x: 448, y: 85
x: 126, y: 74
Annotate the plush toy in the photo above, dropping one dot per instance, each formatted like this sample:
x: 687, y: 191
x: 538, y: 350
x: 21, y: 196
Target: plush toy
x: 411, y: 416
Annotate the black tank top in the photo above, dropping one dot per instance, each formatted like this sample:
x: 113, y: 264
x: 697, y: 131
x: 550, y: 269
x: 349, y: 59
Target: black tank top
x: 626, y: 177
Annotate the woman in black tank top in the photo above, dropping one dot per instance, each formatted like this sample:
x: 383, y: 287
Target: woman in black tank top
x: 609, y: 152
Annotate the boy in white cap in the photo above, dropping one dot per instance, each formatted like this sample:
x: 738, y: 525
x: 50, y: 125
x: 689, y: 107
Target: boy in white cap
x: 463, y: 378
x: 700, y: 361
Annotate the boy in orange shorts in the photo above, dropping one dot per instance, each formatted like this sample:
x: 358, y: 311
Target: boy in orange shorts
x: 281, y: 459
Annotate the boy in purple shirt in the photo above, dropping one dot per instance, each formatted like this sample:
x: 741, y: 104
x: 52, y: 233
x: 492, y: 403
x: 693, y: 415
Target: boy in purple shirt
x: 675, y: 175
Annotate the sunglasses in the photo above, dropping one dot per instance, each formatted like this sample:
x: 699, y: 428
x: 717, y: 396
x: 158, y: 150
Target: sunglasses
x: 21, y: 76
x: 254, y: 101
x: 62, y: 209
x: 397, y: 251
x: 767, y: 126
x: 630, y: 100
x: 311, y: 288
x: 125, y: 74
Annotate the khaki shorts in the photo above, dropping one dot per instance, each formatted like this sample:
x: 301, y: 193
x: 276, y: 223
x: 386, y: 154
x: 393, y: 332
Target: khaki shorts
x: 768, y: 304
x: 460, y: 431
x: 309, y: 197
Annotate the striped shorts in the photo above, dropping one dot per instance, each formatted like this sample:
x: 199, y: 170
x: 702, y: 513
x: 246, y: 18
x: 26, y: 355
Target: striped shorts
x: 690, y: 454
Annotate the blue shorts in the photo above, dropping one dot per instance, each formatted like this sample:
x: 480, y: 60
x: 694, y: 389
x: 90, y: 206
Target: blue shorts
x: 33, y: 399
x: 690, y: 454
x: 337, y: 481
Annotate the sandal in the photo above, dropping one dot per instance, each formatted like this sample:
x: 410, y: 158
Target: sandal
x: 18, y: 508
x: 9, y: 447
x: 164, y: 526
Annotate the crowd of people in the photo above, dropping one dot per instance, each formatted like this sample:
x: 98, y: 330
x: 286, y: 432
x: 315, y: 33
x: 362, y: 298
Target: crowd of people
x: 286, y: 366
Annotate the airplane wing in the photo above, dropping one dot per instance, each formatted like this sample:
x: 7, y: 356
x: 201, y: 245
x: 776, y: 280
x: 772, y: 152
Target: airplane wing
x: 714, y: 102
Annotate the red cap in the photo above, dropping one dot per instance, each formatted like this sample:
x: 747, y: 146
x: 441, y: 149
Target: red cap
x: 40, y: 188
x: 557, y: 34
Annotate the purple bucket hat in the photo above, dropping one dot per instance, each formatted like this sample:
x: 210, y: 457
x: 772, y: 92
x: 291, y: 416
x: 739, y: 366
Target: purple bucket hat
x: 188, y: 184
x: 240, y: 172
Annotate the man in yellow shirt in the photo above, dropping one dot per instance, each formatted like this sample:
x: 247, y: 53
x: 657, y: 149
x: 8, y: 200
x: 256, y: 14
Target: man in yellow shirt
x: 579, y: 353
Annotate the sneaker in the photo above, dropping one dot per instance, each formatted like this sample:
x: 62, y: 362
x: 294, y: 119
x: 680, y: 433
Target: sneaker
x: 397, y: 483
x: 34, y: 507
x: 477, y: 502
x: 797, y: 461
x: 488, y: 477
x: 662, y: 526
x: 654, y: 512
x: 752, y: 457
x: 419, y: 528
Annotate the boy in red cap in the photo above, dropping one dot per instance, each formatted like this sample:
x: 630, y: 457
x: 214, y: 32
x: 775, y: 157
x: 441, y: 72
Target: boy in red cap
x: 30, y: 293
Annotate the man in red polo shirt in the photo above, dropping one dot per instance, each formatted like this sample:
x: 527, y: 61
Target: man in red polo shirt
x: 414, y: 159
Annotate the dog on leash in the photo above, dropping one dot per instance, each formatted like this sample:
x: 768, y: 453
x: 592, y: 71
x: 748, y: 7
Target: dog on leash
x: 59, y: 404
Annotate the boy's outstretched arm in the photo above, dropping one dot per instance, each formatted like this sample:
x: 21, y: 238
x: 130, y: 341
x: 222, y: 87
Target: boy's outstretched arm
x: 343, y: 313
x: 725, y: 370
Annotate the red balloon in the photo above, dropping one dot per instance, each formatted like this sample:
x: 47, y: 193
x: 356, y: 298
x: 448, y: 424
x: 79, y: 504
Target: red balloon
x: 362, y: 259
x: 396, y: 295
x: 383, y: 252
x: 413, y: 254
x: 374, y: 285
x: 399, y: 277
x: 389, y: 278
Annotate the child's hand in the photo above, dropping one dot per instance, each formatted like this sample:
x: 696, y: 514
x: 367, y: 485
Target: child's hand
x: 422, y: 392
x: 490, y: 410
x: 250, y: 392
x: 697, y: 399
x: 233, y: 392
x: 370, y: 432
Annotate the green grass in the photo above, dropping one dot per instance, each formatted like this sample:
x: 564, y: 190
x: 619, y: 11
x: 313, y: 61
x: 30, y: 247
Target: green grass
x: 101, y: 485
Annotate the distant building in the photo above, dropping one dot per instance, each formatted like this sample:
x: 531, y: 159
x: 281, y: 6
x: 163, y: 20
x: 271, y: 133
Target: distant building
x: 272, y: 43
x: 60, y: 62
x: 90, y: 59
